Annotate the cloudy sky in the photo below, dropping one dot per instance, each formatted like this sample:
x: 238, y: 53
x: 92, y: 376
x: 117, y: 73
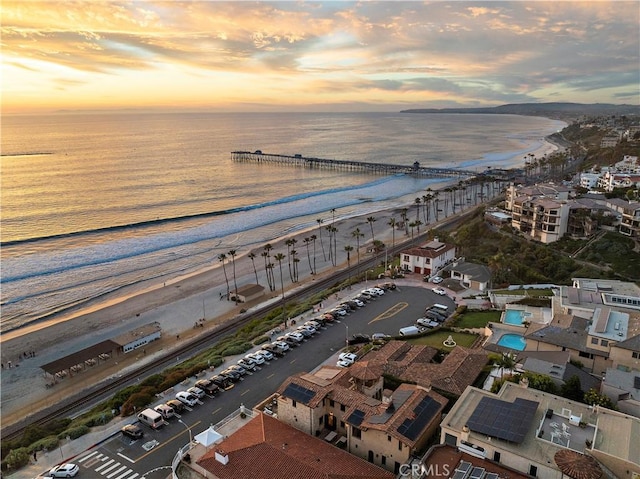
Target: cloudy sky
x: 316, y: 56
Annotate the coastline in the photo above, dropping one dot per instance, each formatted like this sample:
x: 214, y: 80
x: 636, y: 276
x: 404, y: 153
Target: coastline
x: 123, y: 300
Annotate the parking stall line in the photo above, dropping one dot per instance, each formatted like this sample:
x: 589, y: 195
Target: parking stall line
x: 125, y: 457
x: 242, y: 394
x: 117, y: 471
x: 217, y: 410
x: 98, y: 469
x: 271, y: 375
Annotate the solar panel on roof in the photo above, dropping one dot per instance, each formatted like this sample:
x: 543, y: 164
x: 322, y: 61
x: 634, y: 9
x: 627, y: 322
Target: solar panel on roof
x: 464, y: 466
x: 298, y: 393
x: 502, y: 419
x: 491, y: 475
x: 477, y: 473
x: 636, y: 382
x: 423, y: 414
x: 356, y: 417
x: 459, y: 475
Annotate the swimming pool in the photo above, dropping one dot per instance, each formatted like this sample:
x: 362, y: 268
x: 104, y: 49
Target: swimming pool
x: 513, y: 341
x: 514, y: 316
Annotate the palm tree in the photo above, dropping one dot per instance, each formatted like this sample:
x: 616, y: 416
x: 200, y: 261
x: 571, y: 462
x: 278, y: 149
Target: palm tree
x: 371, y: 220
x: 329, y: 229
x: 403, y: 215
x: 412, y: 225
x: 334, y: 231
x: 252, y: 257
x: 290, y: 243
x: 417, y: 201
x: 279, y: 257
x: 392, y: 223
x: 313, y: 238
x: 506, y: 361
x: 417, y: 223
x: 296, y: 260
x: 232, y: 253
x: 357, y: 235
x: 348, y: 248
x: 320, y: 221
x: 267, y: 262
x: 222, y: 258
x: 306, y: 242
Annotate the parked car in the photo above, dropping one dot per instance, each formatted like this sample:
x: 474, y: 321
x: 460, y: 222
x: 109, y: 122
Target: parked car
x: 308, y: 328
x: 187, y: 398
x: 289, y: 340
x: 196, y: 391
x: 176, y: 405
x: 368, y: 294
x: 436, y: 280
x: 348, y: 357
x: 239, y: 369
x: 314, y: 324
x: 281, y: 345
x: 321, y: 320
x: 256, y: 358
x: 304, y: 331
x: 207, y: 386
x: 165, y: 411
x: 363, y: 298
x: 359, y: 339
x: 273, y: 349
x: 296, y: 336
x: 338, y: 311
x: 435, y: 313
x: 247, y: 363
x: 222, y: 381
x: 267, y: 355
x: 376, y: 291
x: 347, y: 307
x: 234, y: 376
x: 132, y: 431
x: 359, y: 302
x: 328, y: 317
x: 439, y: 291
x: 388, y: 285
x: 433, y: 316
x: 379, y: 336
x: 64, y: 470
x: 427, y: 323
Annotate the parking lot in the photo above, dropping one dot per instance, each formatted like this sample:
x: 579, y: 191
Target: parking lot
x: 120, y: 457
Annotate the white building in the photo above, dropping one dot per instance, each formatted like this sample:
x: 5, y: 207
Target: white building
x: 427, y: 259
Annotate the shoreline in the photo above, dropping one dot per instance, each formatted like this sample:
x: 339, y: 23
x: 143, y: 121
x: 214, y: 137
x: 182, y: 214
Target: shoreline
x: 125, y: 298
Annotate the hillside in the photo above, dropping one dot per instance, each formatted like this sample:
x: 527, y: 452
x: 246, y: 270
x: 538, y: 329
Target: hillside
x: 563, y: 111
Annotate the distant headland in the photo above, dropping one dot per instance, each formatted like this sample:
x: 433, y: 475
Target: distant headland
x: 562, y: 111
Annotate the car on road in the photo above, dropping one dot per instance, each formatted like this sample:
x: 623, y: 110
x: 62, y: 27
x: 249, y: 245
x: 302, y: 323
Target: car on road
x: 64, y: 470
x: 131, y: 430
x: 439, y: 291
x: 187, y: 398
x: 207, y: 386
x: 359, y: 339
x: 176, y: 405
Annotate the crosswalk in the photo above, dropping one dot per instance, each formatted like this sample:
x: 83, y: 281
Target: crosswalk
x: 105, y: 466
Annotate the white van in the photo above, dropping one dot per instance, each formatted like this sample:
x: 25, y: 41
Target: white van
x: 409, y: 331
x: 151, y: 418
x: 441, y: 307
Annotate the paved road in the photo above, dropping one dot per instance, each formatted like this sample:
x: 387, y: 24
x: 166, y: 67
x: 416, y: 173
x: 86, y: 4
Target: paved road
x: 120, y: 458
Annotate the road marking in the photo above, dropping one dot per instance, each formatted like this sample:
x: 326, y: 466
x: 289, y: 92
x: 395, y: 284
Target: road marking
x: 109, y: 469
x: 271, y: 375
x: 216, y: 411
x: 166, y: 442
x: 116, y: 471
x: 391, y: 312
x: 242, y: 394
x: 127, y: 472
x: 292, y: 361
x: 87, y: 457
x: 127, y: 458
x: 97, y: 469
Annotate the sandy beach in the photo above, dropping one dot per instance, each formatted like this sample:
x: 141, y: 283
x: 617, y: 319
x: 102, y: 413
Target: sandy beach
x: 175, y: 305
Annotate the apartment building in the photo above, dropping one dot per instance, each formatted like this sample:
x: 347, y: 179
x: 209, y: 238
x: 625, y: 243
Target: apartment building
x: 427, y: 259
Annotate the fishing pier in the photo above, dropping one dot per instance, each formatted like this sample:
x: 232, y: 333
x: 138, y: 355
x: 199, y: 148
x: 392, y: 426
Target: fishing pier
x: 345, y: 165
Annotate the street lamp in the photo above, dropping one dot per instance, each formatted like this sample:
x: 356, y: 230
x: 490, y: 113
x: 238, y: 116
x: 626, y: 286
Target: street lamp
x: 188, y: 429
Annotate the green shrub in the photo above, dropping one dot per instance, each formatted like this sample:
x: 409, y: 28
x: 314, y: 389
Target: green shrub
x: 74, y: 432
x: 137, y: 402
x: 17, y: 458
x: 261, y: 340
x: 48, y: 443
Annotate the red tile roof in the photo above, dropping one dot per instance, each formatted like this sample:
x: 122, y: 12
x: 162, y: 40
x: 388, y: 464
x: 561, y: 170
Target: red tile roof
x: 266, y: 448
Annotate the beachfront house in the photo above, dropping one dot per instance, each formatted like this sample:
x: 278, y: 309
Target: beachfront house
x: 427, y: 259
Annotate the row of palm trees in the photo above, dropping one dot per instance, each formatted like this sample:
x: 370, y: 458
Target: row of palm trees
x: 430, y: 204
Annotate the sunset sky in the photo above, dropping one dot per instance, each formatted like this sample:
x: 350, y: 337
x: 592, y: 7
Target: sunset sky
x: 316, y: 56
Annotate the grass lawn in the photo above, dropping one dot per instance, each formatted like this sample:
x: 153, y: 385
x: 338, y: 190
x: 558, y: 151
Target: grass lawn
x: 477, y: 319
x: 435, y: 340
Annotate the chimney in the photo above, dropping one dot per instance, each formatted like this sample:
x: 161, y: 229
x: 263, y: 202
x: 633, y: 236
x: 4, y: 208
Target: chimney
x: 386, y: 396
x: 465, y: 433
x: 222, y: 458
x: 524, y: 383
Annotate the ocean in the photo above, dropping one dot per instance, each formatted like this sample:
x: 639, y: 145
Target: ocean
x: 95, y: 203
